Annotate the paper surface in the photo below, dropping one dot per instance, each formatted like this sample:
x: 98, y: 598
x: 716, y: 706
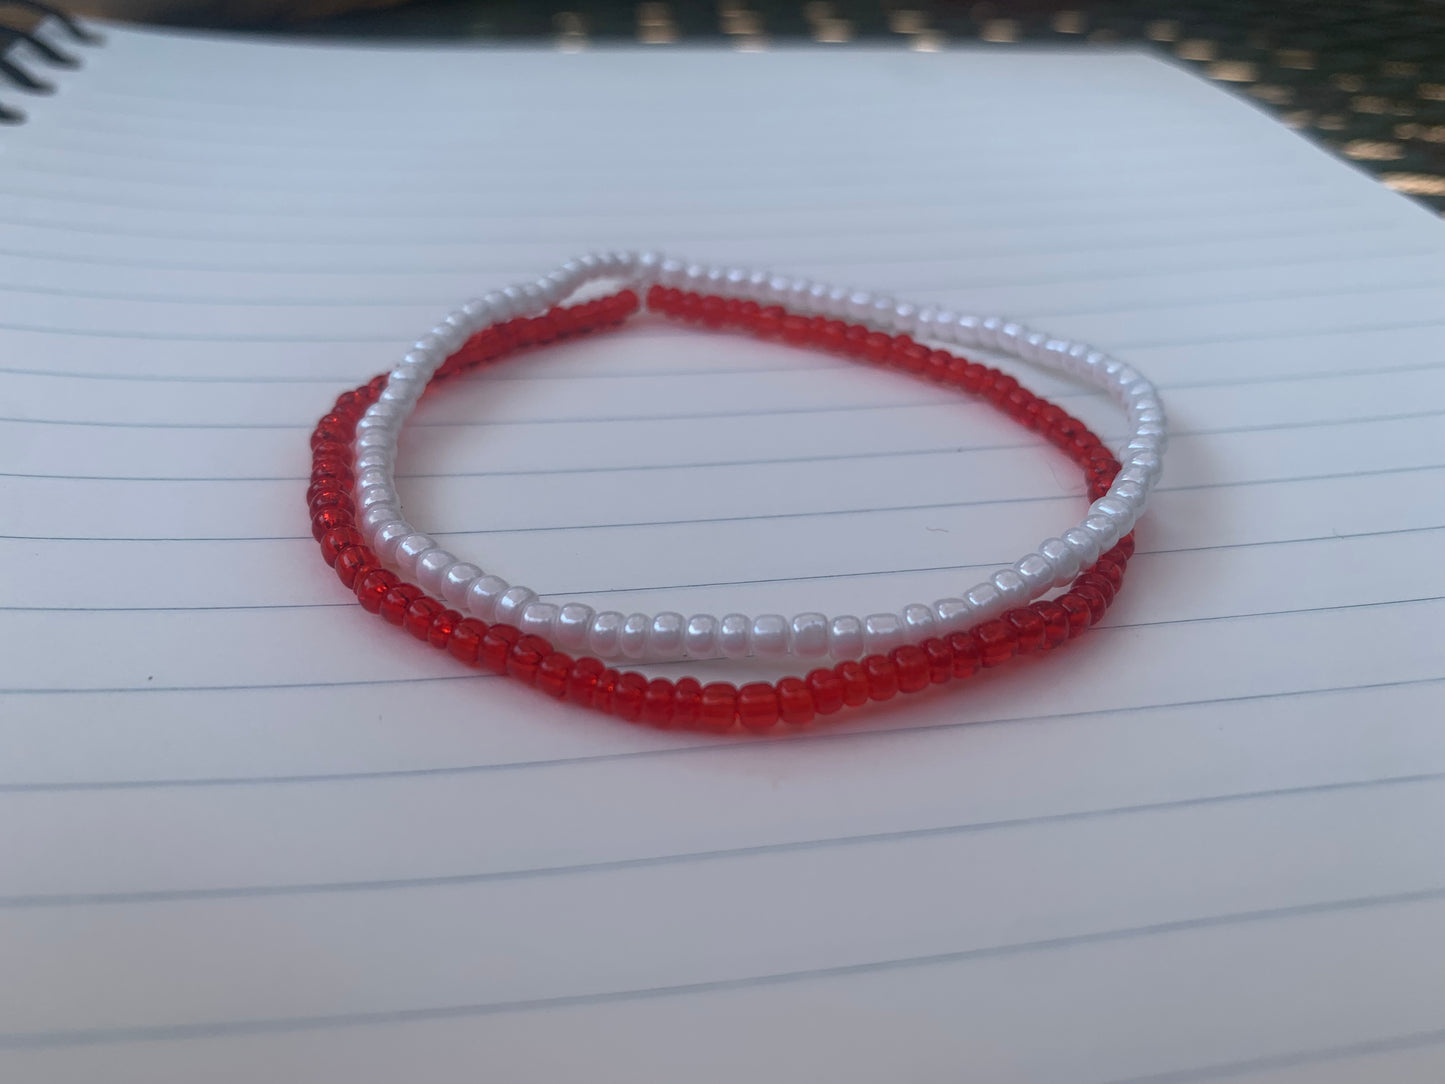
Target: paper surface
x: 248, y: 832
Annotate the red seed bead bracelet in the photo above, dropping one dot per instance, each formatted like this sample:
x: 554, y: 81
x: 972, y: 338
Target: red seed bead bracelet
x: 688, y: 703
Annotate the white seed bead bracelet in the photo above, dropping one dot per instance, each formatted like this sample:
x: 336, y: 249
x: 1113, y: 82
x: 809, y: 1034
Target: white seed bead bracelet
x: 576, y: 627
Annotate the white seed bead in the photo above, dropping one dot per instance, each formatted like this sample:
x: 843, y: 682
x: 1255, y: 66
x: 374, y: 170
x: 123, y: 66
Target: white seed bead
x: 383, y: 542
x: 954, y: 614
x: 408, y: 550
x: 431, y: 570
x: 665, y: 639
x: 1011, y: 588
x: 512, y: 602
x: 700, y: 639
x: 458, y: 578
x: 1063, y: 557
x: 1036, y: 572
x: 1084, y: 544
x: 574, y: 620
x: 632, y: 638
x: 986, y: 601
x: 919, y: 622
x: 376, y: 515
x: 882, y: 633
x: 482, y: 596
x: 732, y: 635
x: 538, y: 619
x: 845, y: 637
x: 769, y: 636
x: 810, y: 635
x: 603, y: 636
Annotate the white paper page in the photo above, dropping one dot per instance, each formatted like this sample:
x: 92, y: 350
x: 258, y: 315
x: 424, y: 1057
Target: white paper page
x: 248, y: 832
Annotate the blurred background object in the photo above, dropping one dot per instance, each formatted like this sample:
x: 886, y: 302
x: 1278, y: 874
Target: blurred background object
x: 1364, y: 79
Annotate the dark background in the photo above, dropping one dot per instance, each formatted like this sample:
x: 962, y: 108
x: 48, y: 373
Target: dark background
x: 1364, y: 79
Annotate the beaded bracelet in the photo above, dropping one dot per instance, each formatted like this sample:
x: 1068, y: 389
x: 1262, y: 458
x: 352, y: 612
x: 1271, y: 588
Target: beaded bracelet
x: 610, y: 634
x: 686, y: 703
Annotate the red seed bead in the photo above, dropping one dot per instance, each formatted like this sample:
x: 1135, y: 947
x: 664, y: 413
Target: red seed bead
x: 339, y: 450
x: 1028, y: 627
x: 335, y: 468
x: 855, y: 682
x: 1124, y: 548
x: 877, y: 346
x: 395, y: 602
x: 442, y: 626
x: 712, y: 311
x: 1094, y: 598
x: 552, y: 674
x: 795, y: 702
x: 373, y: 587
x: 526, y: 656
x: 967, y: 654
x: 758, y: 707
x: 1098, y: 582
x: 908, y: 355
x: 419, y: 616
x: 827, y: 689
x: 940, y: 659
x: 1080, y: 615
x: 466, y: 641
x: 336, y: 540
x: 770, y: 321
x: 997, y: 642
x: 1111, y: 570
x: 352, y: 562
x: 328, y: 519
x: 333, y: 499
x: 855, y: 340
x: 795, y: 330
x: 911, y: 664
x: 687, y: 704
x: 659, y: 703
x: 582, y: 680
x: 319, y: 486
x: 719, y: 706
x: 627, y: 696
x: 496, y: 646
x: 1056, y: 622
x: 882, y: 677
x: 605, y: 688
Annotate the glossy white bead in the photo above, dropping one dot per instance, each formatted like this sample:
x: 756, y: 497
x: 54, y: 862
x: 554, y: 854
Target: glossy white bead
x: 882, y: 633
x: 1084, y: 544
x: 538, y: 619
x: 513, y: 601
x: 385, y: 538
x: 458, y: 578
x: 408, y: 550
x: 845, y: 637
x: 1036, y: 572
x: 1011, y: 588
x: 574, y: 620
x: 1063, y: 557
x: 376, y: 515
x: 665, y: 638
x: 431, y: 570
x: 919, y: 622
x: 810, y: 635
x: 768, y: 637
x: 482, y: 596
x: 986, y: 601
x: 603, y: 635
x: 732, y: 635
x: 700, y: 638
x: 954, y: 614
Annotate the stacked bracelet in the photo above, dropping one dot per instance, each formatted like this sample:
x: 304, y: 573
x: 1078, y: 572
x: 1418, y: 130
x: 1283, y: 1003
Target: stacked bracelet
x: 688, y: 703
x: 884, y: 332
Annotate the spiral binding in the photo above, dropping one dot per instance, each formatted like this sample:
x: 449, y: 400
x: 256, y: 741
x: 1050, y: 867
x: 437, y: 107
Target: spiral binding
x: 48, y: 52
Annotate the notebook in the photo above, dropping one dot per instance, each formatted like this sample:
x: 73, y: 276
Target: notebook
x: 250, y: 833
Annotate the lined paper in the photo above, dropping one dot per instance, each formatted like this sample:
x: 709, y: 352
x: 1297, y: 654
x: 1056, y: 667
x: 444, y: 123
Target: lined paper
x: 248, y: 833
